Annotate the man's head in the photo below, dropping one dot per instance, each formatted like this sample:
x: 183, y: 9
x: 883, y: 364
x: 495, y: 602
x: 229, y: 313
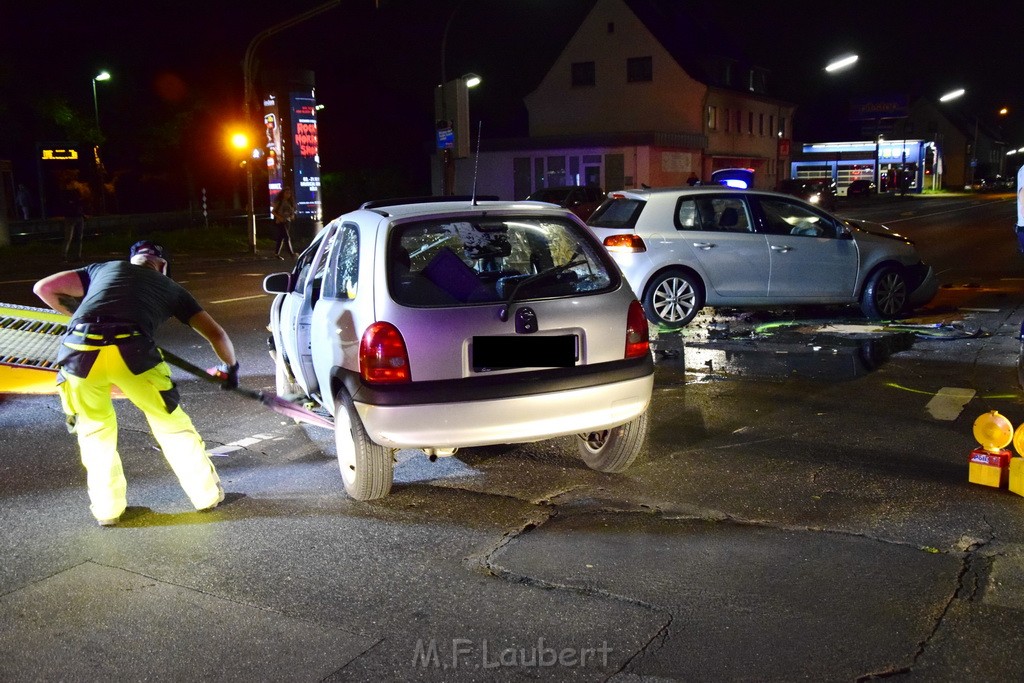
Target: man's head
x: 148, y: 254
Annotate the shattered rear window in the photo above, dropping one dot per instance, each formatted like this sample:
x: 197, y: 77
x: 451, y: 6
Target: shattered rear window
x: 445, y: 263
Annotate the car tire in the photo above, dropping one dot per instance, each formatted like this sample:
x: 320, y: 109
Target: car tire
x: 367, y: 468
x: 886, y: 294
x: 673, y: 298
x: 614, y: 450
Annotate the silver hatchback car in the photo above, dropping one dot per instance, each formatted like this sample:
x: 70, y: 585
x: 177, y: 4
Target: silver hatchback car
x: 683, y: 248
x: 446, y: 324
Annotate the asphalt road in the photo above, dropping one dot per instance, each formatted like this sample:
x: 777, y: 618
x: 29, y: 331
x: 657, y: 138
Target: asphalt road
x: 802, y: 512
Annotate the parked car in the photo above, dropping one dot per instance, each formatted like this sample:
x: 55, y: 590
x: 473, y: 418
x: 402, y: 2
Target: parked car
x: 819, y: 191
x: 580, y: 199
x: 861, y: 188
x: 447, y: 324
x: 684, y: 248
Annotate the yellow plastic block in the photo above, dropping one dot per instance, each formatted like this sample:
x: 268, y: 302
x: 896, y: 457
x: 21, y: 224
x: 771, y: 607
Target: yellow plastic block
x: 988, y: 468
x: 1017, y: 476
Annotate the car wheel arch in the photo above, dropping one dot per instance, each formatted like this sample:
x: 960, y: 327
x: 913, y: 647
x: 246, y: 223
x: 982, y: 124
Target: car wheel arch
x: 655, y: 279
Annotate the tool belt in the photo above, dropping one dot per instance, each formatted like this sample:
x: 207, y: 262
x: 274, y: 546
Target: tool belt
x: 102, y: 331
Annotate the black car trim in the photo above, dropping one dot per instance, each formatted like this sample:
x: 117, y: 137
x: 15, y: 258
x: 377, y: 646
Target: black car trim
x: 493, y: 386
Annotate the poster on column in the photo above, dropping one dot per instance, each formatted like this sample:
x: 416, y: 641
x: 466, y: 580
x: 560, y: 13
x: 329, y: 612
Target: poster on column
x: 305, y: 154
x: 272, y: 151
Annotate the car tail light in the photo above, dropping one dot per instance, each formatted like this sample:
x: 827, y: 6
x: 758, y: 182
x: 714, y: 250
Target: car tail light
x: 383, y: 358
x: 638, y: 343
x: 628, y: 242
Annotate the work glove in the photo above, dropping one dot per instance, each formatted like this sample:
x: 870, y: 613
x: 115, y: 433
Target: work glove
x: 227, y: 374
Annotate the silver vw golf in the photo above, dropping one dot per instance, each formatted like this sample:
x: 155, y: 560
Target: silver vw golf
x: 455, y: 323
x: 684, y: 248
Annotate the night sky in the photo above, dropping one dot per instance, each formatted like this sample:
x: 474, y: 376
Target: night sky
x: 177, y: 74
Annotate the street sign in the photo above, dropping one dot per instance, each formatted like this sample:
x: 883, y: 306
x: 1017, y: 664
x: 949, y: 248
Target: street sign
x: 445, y: 138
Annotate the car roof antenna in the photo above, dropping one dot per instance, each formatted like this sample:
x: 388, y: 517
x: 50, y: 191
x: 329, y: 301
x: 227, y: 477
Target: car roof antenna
x: 476, y: 164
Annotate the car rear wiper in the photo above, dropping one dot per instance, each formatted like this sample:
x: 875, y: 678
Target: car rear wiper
x: 530, y: 279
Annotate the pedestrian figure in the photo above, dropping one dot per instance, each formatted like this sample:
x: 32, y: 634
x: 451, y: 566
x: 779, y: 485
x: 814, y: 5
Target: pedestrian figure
x: 115, y: 308
x: 23, y: 200
x: 74, y: 221
x: 284, y: 214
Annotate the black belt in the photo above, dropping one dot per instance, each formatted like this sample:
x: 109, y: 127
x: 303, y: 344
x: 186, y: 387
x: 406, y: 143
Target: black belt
x: 100, y: 331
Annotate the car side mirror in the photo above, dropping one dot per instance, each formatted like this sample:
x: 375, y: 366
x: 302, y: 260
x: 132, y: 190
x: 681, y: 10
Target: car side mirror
x: 843, y: 231
x: 277, y: 283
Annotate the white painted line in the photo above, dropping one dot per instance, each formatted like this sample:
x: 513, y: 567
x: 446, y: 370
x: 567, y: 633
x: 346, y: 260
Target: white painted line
x: 949, y: 403
x: 241, y: 298
x: 981, y: 310
x: 222, y: 451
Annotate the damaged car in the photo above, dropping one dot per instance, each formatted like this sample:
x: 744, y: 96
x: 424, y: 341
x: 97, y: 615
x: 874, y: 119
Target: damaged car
x: 684, y: 248
x: 446, y: 323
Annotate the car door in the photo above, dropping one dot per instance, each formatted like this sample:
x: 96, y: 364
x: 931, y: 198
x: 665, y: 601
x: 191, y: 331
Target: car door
x: 812, y: 258
x: 716, y: 233
x: 297, y: 312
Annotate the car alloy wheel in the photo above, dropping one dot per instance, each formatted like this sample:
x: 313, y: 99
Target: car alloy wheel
x: 885, y: 295
x: 673, y: 298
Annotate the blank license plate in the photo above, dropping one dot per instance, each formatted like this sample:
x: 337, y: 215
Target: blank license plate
x: 492, y: 353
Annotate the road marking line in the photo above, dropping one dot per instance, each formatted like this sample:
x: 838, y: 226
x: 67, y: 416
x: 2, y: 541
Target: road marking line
x: 980, y: 310
x: 949, y: 402
x: 241, y: 298
x: 222, y: 451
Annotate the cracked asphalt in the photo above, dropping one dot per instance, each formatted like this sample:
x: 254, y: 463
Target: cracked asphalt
x: 804, y: 521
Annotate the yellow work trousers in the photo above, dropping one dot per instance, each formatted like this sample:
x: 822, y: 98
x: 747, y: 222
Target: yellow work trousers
x: 89, y: 400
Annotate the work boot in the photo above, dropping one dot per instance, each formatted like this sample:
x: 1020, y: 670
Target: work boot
x: 220, y: 499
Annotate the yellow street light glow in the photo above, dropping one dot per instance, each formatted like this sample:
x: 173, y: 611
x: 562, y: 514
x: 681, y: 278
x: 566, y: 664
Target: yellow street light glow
x: 240, y: 140
x: 841, y: 63
x: 952, y: 95
x: 1004, y: 111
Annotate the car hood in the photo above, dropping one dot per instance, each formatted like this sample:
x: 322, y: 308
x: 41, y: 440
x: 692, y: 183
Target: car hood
x: 861, y: 227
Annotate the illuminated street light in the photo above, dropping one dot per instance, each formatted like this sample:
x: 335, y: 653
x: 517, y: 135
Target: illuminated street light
x: 952, y: 95
x: 841, y: 63
x: 101, y: 76
x: 240, y: 141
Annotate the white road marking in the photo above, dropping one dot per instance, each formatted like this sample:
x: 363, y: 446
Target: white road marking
x: 949, y: 403
x: 223, y: 451
x: 241, y: 298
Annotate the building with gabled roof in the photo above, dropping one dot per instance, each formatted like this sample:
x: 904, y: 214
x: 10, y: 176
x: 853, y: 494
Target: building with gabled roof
x: 639, y: 96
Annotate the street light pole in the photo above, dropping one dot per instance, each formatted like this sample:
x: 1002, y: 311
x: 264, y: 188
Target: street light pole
x: 249, y: 74
x: 101, y: 76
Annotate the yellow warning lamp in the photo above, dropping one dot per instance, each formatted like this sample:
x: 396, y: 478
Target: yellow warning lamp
x: 993, y: 432
x: 1018, y: 440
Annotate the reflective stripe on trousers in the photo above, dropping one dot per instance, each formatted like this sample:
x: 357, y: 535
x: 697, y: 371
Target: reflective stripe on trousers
x: 89, y: 400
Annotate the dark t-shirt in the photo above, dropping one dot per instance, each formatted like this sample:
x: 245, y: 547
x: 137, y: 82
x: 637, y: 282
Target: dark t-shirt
x: 136, y: 294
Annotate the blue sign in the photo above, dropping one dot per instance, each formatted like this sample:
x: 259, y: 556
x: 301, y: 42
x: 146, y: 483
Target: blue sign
x: 445, y: 138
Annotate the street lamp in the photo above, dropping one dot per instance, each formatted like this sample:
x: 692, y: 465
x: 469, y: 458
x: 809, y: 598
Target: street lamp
x: 841, y: 63
x: 101, y: 76
x: 452, y: 100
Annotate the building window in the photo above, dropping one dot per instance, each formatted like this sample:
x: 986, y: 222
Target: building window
x: 583, y: 74
x: 739, y: 120
x: 782, y: 126
x: 760, y: 125
x: 712, y: 117
x: 750, y: 123
x: 771, y: 125
x: 639, y: 69
x: 728, y: 120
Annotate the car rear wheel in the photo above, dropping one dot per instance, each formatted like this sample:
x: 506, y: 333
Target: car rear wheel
x: 367, y: 468
x: 673, y: 298
x: 885, y: 295
x: 613, y: 450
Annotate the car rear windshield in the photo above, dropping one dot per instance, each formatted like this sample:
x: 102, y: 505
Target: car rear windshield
x: 618, y: 212
x: 443, y: 263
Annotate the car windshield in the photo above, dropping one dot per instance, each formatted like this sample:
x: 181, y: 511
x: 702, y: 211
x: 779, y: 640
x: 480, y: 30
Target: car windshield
x: 484, y: 260
x: 618, y: 212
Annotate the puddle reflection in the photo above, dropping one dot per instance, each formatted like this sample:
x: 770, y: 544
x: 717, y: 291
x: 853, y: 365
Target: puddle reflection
x: 831, y: 358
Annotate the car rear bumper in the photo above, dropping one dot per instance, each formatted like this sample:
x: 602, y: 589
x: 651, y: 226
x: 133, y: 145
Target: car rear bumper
x: 516, y: 419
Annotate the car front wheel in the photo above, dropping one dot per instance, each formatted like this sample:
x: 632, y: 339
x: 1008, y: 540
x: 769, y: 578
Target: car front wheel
x: 673, y: 298
x: 885, y: 295
x: 613, y: 450
x: 367, y: 468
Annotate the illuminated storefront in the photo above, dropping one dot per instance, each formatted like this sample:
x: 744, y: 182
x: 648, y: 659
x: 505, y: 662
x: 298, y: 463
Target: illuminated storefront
x: 893, y: 165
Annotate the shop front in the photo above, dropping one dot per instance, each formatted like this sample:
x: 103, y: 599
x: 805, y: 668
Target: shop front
x: 893, y: 165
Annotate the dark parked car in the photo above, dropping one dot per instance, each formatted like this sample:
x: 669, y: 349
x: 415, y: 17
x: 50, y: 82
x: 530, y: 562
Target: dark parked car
x: 861, y: 188
x: 818, y: 191
x: 580, y: 199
